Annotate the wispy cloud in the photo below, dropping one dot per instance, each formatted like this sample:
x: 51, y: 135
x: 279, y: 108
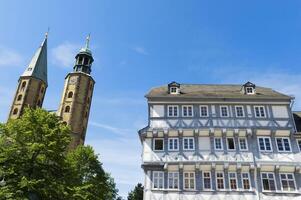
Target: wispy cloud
x: 141, y: 50
x: 63, y: 55
x: 116, y: 130
x: 9, y: 57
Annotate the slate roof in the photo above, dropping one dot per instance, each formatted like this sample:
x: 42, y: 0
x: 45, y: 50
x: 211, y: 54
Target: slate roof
x: 297, y: 118
x: 38, y: 65
x: 215, y: 91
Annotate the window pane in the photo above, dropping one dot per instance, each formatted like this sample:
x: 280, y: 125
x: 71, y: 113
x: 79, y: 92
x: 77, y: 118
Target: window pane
x: 158, y: 144
x: 231, y: 144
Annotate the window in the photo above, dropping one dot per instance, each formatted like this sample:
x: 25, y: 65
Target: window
x: 158, y: 180
x: 67, y: 109
x: 299, y: 144
x: 173, y: 144
x: 187, y: 111
x: 287, y: 182
x: 243, y: 144
x: 19, y: 97
x: 70, y: 94
x: 232, y: 181
x: 173, y: 180
x: 264, y: 144
x: 230, y: 143
x: 80, y: 60
x: 220, y: 182
x: 23, y: 86
x: 207, y: 180
x: 239, y: 111
x: 249, y: 90
x: 158, y: 144
x: 283, y: 144
x: 15, y: 111
x: 218, y: 144
x: 172, y: 111
x: 224, y: 111
x: 189, y: 180
x: 245, y: 178
x: 173, y: 90
x: 259, y: 111
x: 42, y: 89
x: 188, y: 143
x: 268, y: 181
x: 39, y: 103
x: 204, y: 111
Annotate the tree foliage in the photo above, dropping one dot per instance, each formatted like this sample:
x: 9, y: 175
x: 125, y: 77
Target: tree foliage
x: 35, y: 163
x: 137, y: 193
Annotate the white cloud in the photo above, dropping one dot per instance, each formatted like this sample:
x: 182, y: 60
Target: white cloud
x: 140, y: 50
x: 63, y: 55
x: 116, y: 130
x: 9, y: 57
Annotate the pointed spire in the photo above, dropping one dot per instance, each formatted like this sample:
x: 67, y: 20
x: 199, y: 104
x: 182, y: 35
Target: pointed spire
x: 37, y: 67
x: 86, y: 49
x: 88, y: 41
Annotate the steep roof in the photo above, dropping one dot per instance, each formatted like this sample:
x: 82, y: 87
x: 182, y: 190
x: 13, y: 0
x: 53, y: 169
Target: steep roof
x: 38, y: 65
x: 297, y: 118
x: 215, y: 91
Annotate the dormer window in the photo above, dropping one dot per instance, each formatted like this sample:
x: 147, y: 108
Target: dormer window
x: 249, y: 90
x: 174, y: 88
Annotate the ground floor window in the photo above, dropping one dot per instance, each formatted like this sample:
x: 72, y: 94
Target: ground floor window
x: 207, y: 180
x: 287, y: 182
x: 220, y: 182
x: 245, y: 177
x: 189, y: 180
x: 268, y: 181
x: 173, y: 180
x: 232, y: 181
x: 158, y: 180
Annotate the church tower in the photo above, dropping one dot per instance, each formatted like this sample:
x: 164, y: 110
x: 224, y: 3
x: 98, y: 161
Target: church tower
x: 76, y: 100
x: 32, y: 83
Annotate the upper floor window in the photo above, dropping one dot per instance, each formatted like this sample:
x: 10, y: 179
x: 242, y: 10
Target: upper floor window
x: 207, y: 180
x: 172, y: 111
x: 23, y: 86
x: 299, y: 144
x: 188, y: 143
x: 173, y: 90
x: 158, y: 144
x: 173, y: 144
x: 19, y: 97
x: 233, y: 180
x: 259, y: 111
x: 15, y: 111
x: 158, y: 180
x: 224, y: 111
x: 287, y: 182
x: 268, y: 181
x: 245, y: 178
x: 239, y: 111
x: 283, y: 144
x: 264, y: 144
x: 173, y: 180
x: 250, y: 90
x: 243, y: 144
x: 218, y: 144
x: 67, y: 109
x: 187, y: 111
x: 220, y: 181
x: 189, y: 180
x: 230, y: 143
x: 70, y: 94
x: 204, y: 111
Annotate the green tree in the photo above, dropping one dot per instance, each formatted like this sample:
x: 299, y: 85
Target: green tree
x: 137, y: 193
x: 34, y: 163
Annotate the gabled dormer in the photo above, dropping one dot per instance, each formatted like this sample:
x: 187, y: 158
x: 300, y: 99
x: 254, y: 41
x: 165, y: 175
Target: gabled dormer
x: 249, y: 88
x: 174, y: 88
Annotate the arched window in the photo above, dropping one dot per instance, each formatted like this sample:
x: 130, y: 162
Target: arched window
x: 88, y: 100
x: 70, y: 94
x: 23, y: 85
x: 19, y: 97
x: 15, y: 111
x: 91, y: 86
x: 80, y: 60
x: 67, y: 109
x: 42, y: 89
x: 86, y: 114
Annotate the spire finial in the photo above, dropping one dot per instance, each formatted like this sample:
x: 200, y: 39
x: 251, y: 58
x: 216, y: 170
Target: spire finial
x: 88, y: 41
x: 46, y: 34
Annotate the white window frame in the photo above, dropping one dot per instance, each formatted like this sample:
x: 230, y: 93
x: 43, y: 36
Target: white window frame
x: 171, y: 90
x: 154, y: 142
x: 294, y: 179
x: 173, y: 111
x: 187, y: 107
x: 246, y: 140
x: 289, y: 143
x: 217, y: 178
x: 221, y: 113
x: 242, y: 180
x: 253, y: 90
x: 173, y: 180
x: 204, y: 180
x: 193, y: 142
x: 222, y: 147
x: 243, y: 112
x: 264, y: 137
x: 229, y: 178
x: 268, y: 179
x: 207, y: 111
x: 173, y: 144
x: 264, y: 111
x: 189, y: 180
x: 158, y: 181
x: 233, y: 143
x: 299, y: 145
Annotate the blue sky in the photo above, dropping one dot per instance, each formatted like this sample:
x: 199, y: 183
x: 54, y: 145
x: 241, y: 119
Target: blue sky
x: 141, y: 44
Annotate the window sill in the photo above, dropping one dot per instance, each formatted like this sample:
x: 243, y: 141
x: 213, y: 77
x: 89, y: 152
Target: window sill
x: 281, y: 192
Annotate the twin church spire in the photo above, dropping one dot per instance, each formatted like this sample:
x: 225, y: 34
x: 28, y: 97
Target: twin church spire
x: 76, y: 99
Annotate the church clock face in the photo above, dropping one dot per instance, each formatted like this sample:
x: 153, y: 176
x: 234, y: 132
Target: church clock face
x: 72, y: 80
